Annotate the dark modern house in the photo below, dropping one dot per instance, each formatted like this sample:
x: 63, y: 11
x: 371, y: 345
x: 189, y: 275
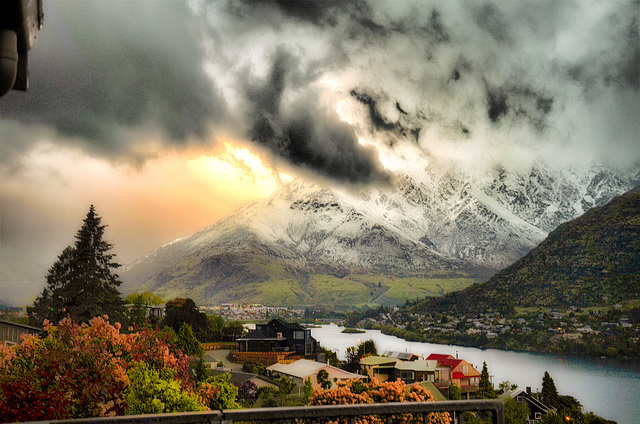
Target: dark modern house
x: 536, y: 407
x: 278, y: 336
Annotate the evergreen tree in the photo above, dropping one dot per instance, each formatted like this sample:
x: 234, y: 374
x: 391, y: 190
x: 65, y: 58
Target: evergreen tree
x: 549, y: 391
x: 187, y: 341
x: 486, y: 388
x: 82, y: 282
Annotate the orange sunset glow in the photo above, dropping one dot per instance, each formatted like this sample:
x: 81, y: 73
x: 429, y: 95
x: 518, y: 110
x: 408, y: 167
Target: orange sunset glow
x: 168, y: 197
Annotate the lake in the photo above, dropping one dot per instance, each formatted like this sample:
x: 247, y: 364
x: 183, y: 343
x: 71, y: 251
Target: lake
x: 609, y: 388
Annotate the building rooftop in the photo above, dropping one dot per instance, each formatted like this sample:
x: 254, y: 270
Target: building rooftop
x: 433, y: 390
x: 418, y: 365
x: 377, y: 360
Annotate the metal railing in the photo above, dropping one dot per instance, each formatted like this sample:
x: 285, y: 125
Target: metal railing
x: 312, y: 413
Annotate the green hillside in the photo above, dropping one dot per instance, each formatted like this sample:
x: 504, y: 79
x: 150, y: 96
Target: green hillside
x: 270, y: 283
x: 590, y: 261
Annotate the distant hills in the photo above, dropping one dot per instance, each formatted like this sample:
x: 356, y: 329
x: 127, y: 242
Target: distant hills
x: 438, y: 229
x: 593, y: 260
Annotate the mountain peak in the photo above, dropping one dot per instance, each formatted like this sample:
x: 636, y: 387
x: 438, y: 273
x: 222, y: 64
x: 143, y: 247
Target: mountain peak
x: 439, y: 222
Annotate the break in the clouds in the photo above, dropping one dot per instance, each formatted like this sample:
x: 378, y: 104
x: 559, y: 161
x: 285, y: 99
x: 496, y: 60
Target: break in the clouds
x: 306, y: 80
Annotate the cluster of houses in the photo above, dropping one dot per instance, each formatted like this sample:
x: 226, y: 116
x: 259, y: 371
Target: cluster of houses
x: 441, y: 370
x: 281, y: 346
x: 557, y: 325
x: 232, y: 311
x: 286, y: 348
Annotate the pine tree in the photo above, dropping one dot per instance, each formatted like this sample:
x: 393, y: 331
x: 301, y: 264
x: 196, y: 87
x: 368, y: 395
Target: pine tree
x: 82, y: 282
x: 486, y: 388
x: 549, y: 391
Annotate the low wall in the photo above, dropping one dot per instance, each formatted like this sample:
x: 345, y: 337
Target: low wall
x: 264, y: 358
x: 218, y: 346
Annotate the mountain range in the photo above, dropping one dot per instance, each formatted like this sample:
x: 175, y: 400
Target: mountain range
x: 434, y: 231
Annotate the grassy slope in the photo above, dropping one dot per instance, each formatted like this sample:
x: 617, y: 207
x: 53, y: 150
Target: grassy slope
x: 324, y: 290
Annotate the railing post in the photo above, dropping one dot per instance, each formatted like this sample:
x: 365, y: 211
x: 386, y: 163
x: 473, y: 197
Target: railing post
x: 498, y: 414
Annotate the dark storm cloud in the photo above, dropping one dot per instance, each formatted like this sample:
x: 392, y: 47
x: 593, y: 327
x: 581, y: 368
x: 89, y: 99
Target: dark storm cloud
x: 626, y: 70
x: 497, y: 104
x: 313, y: 12
x: 436, y: 27
x: 433, y: 72
x: 377, y: 119
x: 613, y: 58
x: 522, y: 102
x: 304, y: 134
x: 491, y: 19
x: 102, y: 69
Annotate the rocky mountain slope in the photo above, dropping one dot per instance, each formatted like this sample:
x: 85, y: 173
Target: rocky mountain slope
x: 435, y: 231
x: 593, y: 260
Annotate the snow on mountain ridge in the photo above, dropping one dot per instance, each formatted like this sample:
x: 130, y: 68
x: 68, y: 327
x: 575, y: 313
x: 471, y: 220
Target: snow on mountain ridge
x: 442, y: 219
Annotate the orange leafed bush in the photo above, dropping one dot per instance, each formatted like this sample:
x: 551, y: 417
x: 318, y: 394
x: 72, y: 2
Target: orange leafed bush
x: 357, y: 392
x: 80, y: 370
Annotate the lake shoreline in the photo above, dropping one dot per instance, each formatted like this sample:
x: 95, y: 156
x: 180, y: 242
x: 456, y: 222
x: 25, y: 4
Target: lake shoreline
x: 608, y: 387
x: 530, y: 350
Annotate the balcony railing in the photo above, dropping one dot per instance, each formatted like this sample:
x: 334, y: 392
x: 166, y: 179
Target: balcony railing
x: 312, y: 413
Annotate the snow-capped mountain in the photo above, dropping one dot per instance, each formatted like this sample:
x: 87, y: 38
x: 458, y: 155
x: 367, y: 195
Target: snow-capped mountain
x: 438, y: 222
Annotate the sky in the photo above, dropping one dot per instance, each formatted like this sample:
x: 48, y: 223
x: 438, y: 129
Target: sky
x: 169, y: 115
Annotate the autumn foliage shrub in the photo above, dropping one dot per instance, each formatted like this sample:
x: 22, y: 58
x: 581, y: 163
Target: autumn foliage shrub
x: 80, y: 371
x: 357, y: 392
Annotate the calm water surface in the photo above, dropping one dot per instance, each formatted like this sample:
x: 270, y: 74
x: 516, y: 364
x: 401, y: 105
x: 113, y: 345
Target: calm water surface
x: 609, y: 388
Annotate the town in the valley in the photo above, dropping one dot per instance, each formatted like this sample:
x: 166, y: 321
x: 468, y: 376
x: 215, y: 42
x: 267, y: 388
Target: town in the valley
x: 276, y: 344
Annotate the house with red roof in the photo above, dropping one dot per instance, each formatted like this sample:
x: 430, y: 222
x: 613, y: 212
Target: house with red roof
x: 456, y: 371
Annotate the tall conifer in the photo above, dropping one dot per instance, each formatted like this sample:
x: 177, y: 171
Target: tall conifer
x: 486, y: 390
x: 549, y: 391
x: 82, y: 282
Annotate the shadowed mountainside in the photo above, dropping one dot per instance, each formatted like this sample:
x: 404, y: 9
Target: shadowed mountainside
x: 592, y: 260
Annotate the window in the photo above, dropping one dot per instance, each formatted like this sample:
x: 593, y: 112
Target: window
x: 538, y: 415
x: 298, y: 335
x: 406, y: 375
